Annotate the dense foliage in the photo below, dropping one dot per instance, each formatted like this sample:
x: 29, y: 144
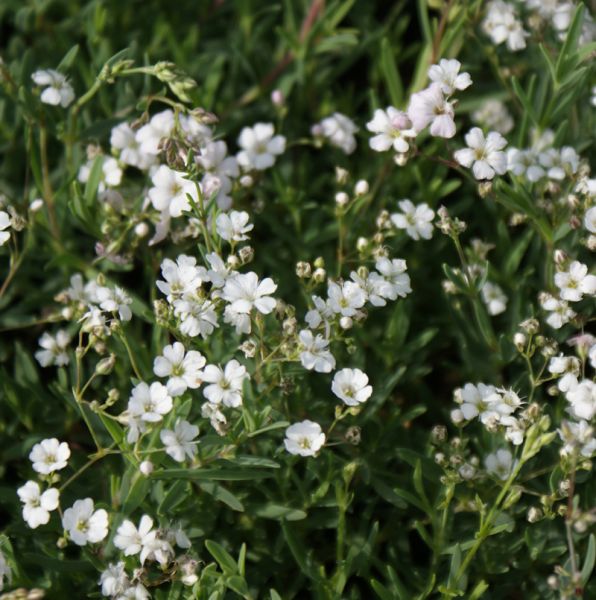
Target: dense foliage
x: 295, y: 299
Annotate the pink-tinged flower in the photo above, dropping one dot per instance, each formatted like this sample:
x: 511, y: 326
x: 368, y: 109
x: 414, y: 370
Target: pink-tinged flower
x: 429, y: 107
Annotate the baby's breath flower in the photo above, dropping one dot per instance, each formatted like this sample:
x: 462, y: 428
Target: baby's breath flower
x: 84, y: 524
x: 305, y: 438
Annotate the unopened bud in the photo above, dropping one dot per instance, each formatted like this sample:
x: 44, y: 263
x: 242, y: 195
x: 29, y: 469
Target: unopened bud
x: 534, y: 514
x: 146, y: 468
x: 361, y: 188
x: 105, y: 365
x: 277, y: 98
x: 519, y: 341
x: 319, y: 275
x: 341, y: 199
x: 346, y: 323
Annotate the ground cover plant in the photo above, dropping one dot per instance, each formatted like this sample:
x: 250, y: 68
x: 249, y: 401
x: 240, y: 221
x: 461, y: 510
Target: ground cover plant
x: 297, y: 299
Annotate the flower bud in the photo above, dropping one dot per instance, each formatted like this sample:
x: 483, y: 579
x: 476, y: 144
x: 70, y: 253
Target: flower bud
x: 341, y: 199
x: 485, y: 188
x: 319, y: 275
x: 530, y: 326
x: 361, y: 244
x: 36, y: 205
x: 277, y: 98
x: 141, y: 229
x: 248, y: 348
x: 246, y: 181
x: 319, y: 262
x: 519, y: 341
x: 400, y: 159
x: 353, y: 435
x: 233, y: 261
x: 346, y: 323
x: 534, y: 514
x: 341, y: 175
x: 246, y: 254
x: 361, y: 188
x: 146, y: 468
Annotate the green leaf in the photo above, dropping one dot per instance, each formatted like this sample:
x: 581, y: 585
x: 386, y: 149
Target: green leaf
x: 222, y: 556
x: 222, y: 494
x: 68, y: 59
x: 136, y: 495
x: 278, y: 512
x: 391, y: 74
x: 173, y: 497
x: 212, y: 474
x: 277, y: 425
x: 570, y: 45
x: 588, y: 565
x: 93, y: 181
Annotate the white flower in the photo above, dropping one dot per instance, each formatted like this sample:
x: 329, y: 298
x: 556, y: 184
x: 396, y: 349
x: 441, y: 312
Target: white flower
x: 314, y: 353
x: 575, y: 282
x: 375, y: 286
x: 226, y: 383
x: 196, y: 133
x: 394, y: 271
x: 429, y: 107
x: 233, y: 226
x: 54, y: 349
x: 217, y: 418
x: 305, y: 438
x: 49, y: 455
x: 351, y: 386
x: 339, y: 130
x: 219, y: 272
x: 132, y: 540
x: 345, y: 299
x: 37, y: 506
x: 134, y: 592
x: 560, y: 313
x: 524, y: 162
x: 478, y: 401
x: 393, y: 128
x: 259, y: 147
x: 58, y: 90
x: 582, y: 398
x: 494, y: 298
x: 182, y: 277
x: 116, y: 300
x: 197, y: 316
x: 150, y: 403
x: 220, y: 169
x: 180, y: 442
x: 111, y: 173
x: 447, y: 75
x: 500, y: 464
x: 240, y: 320
x: 114, y: 580
x: 124, y: 139
x: 578, y: 437
x: 416, y: 220
x: 493, y: 115
x: 4, y: 224
x: 150, y: 135
x: 170, y: 190
x: 590, y: 219
x: 182, y: 369
x: 559, y: 163
x: 243, y: 292
x: 484, y: 155
x: 502, y: 25
x: 592, y: 355
x: 84, y: 524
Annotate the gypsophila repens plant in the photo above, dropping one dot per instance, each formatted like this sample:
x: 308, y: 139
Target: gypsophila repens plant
x: 297, y: 300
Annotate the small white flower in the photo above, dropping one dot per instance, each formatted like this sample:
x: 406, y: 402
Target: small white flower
x: 305, y: 438
x: 197, y: 316
x: 217, y: 418
x: 84, y: 524
x: 478, y: 401
x: 259, y: 147
x: 182, y: 278
x: 123, y: 140
x: 225, y: 384
x: 180, y: 443
x: 183, y: 369
x: 416, y: 220
x: 114, y: 580
x: 37, y: 506
x: 4, y: 224
x: 134, y: 592
x: 375, y: 286
x: 111, y: 173
x: 244, y: 292
x: 575, y: 282
x: 49, y: 455
x: 345, y: 299
x: 493, y: 115
x: 502, y: 25
x: 58, y: 90
x: 494, y: 298
x: 339, y: 130
x: 393, y: 128
x: 218, y: 166
x: 233, y: 226
x: 5, y: 571
x: 351, y: 386
x: 240, y: 320
x: 578, y: 437
x: 582, y: 398
x: 500, y: 464
x: 447, y: 75
x: 150, y: 403
x: 524, y: 162
x: 394, y: 271
x: 132, y: 540
x: 53, y: 349
x: 321, y: 313
x: 559, y: 310
x: 429, y: 107
x: 559, y: 163
x: 150, y: 135
x: 116, y: 300
x: 170, y: 190
x: 484, y: 155
x: 219, y: 272
x: 590, y: 219
x: 314, y: 352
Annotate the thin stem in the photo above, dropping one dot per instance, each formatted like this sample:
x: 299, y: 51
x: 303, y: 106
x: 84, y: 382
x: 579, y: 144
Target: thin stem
x: 48, y: 192
x: 131, y: 357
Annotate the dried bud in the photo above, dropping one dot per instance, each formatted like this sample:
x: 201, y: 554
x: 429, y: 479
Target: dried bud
x: 341, y: 175
x: 353, y: 435
x: 246, y: 254
x: 438, y: 434
x: 248, y: 348
x: 303, y: 269
x: 400, y: 159
x: 485, y: 188
x: 530, y: 326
